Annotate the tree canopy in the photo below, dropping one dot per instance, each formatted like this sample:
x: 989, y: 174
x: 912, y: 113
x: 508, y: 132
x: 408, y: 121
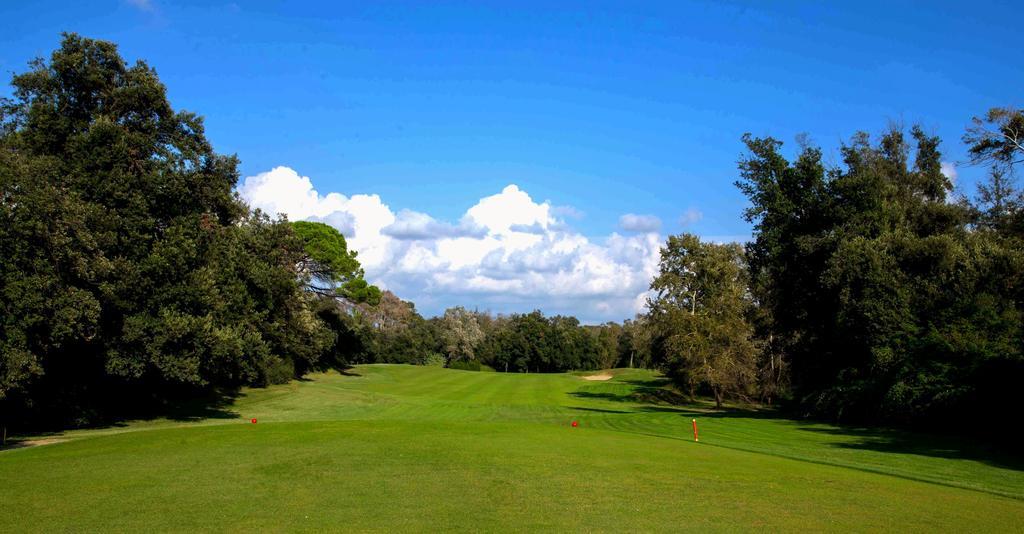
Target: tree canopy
x: 129, y: 270
x: 331, y: 269
x: 887, y: 302
x: 700, y: 313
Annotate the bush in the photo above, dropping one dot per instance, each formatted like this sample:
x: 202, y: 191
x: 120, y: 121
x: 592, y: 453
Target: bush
x: 434, y: 359
x: 465, y: 365
x: 280, y: 371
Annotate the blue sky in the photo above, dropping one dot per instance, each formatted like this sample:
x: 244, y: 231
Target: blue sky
x: 608, y: 108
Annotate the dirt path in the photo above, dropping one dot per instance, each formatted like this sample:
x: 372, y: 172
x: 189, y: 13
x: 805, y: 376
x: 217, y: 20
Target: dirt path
x: 21, y: 444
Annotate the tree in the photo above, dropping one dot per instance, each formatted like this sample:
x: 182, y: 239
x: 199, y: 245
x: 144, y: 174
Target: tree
x: 635, y: 342
x: 700, y: 312
x: 873, y: 288
x: 130, y: 272
x: 328, y: 268
x: 997, y: 139
x: 607, y: 341
x: 1000, y: 204
x: 460, y: 334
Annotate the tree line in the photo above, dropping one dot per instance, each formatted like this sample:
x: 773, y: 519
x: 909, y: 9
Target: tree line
x: 133, y: 276
x: 391, y: 331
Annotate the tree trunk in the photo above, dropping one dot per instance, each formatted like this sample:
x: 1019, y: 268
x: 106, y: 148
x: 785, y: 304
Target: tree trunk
x: 718, y: 399
x: 631, y: 359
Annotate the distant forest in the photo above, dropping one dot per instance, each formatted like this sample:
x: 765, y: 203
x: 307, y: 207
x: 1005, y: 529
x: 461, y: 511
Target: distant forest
x: 132, y: 276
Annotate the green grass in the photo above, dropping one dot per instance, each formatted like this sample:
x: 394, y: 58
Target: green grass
x: 415, y: 448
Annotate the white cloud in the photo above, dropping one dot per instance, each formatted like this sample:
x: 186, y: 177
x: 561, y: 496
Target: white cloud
x: 282, y: 190
x: 631, y: 222
x: 949, y: 170
x: 416, y: 226
x: 507, y: 253
x: 361, y: 218
x: 691, y: 216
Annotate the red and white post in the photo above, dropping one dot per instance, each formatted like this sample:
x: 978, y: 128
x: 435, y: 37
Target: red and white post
x: 695, y: 430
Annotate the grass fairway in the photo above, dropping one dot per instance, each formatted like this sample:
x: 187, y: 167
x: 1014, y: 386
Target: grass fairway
x: 413, y: 448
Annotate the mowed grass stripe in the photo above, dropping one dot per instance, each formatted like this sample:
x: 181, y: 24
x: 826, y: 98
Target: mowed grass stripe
x: 400, y: 475
x: 429, y: 447
x: 515, y: 397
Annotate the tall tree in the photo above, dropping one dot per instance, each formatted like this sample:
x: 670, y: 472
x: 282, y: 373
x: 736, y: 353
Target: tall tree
x: 129, y: 270
x: 635, y: 342
x: 461, y: 334
x: 700, y: 312
x: 884, y: 302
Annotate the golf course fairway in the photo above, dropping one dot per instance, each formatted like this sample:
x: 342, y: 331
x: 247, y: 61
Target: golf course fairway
x: 404, y: 448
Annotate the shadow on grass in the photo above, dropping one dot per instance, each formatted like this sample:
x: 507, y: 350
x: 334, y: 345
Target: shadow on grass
x: 645, y: 395
x: 920, y: 444
x: 603, y: 396
x: 878, y: 439
x: 42, y: 438
x: 215, y: 405
x: 209, y: 405
x: 15, y: 444
x: 599, y: 410
x: 652, y: 383
x: 649, y: 396
x: 883, y: 440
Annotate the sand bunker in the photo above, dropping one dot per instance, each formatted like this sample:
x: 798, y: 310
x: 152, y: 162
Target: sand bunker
x: 602, y: 376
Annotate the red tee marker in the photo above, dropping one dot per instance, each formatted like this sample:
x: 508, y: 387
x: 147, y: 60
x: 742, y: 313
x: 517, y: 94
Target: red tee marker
x: 253, y: 420
x: 575, y: 424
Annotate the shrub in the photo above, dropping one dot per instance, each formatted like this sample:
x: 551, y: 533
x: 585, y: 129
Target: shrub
x: 434, y: 359
x: 280, y: 371
x: 465, y: 365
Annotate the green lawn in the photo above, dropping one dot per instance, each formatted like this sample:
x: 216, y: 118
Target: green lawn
x: 413, y: 448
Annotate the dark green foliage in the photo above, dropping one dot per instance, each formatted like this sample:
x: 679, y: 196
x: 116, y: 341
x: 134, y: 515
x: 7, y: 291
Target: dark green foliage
x: 330, y: 268
x: 533, y: 343
x: 465, y: 365
x: 888, y: 304
x: 129, y: 271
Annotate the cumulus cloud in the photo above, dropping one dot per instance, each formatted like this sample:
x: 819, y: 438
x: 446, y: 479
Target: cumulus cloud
x: 949, y: 170
x: 361, y: 218
x: 535, y: 228
x: 416, y: 226
x: 631, y: 222
x: 506, y: 253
